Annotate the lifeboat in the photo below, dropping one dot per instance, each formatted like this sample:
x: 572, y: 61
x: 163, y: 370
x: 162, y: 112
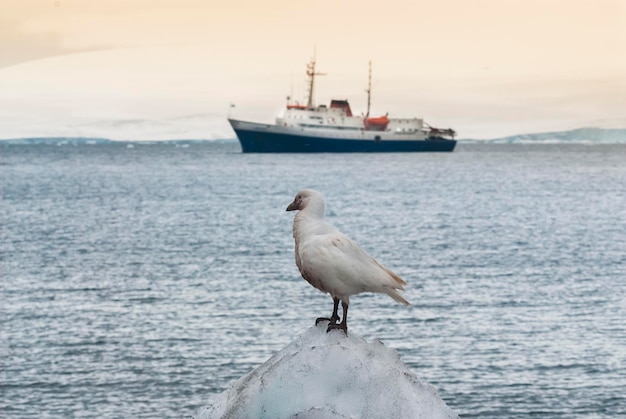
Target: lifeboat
x: 302, y: 107
x: 377, y: 124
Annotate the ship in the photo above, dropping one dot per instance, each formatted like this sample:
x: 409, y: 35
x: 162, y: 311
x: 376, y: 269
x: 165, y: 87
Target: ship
x: 310, y: 128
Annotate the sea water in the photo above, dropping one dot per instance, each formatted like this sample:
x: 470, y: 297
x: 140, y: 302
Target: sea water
x: 140, y: 282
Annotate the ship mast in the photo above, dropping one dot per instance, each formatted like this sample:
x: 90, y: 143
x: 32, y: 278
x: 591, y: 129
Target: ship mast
x: 310, y: 72
x: 369, y: 89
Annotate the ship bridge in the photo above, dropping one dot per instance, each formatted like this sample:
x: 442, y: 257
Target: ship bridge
x: 338, y: 116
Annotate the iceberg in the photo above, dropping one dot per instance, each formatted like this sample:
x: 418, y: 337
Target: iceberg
x: 329, y: 375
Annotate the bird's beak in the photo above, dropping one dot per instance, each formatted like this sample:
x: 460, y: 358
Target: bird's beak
x: 293, y: 206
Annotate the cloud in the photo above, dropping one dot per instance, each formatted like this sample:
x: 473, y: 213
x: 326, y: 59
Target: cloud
x: 446, y: 37
x: 19, y: 46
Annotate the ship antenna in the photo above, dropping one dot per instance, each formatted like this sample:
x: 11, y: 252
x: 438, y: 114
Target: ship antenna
x: 369, y: 89
x: 290, y: 91
x: 310, y: 72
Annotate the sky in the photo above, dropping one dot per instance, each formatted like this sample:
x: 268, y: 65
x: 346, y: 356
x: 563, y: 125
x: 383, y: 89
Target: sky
x: 165, y: 69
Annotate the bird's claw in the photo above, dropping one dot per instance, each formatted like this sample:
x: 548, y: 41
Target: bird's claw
x: 331, y: 320
x: 340, y: 326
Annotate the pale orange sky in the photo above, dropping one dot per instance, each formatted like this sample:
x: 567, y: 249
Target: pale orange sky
x: 485, y: 67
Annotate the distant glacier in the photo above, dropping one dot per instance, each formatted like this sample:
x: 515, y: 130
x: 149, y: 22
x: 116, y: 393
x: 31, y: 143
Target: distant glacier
x: 589, y: 135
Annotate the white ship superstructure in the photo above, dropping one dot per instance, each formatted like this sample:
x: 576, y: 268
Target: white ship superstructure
x: 334, y: 128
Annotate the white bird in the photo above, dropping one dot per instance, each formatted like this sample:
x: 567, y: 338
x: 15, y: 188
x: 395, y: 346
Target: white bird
x: 332, y: 262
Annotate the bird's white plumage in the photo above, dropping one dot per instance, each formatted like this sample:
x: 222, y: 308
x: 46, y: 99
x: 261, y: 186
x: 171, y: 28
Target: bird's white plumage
x: 330, y: 260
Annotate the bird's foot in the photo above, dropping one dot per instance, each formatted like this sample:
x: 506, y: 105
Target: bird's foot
x: 341, y: 326
x: 331, y: 320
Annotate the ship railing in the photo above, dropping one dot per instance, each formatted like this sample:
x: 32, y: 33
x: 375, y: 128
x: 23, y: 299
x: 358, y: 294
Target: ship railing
x: 433, y: 132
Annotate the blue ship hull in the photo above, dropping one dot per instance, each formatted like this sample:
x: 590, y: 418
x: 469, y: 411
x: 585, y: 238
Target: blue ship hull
x: 253, y: 141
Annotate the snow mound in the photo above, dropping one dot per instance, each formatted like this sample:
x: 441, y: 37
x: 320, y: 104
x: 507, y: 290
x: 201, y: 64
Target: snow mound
x: 329, y: 375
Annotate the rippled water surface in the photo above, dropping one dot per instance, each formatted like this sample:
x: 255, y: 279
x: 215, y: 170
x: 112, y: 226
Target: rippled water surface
x: 138, y: 282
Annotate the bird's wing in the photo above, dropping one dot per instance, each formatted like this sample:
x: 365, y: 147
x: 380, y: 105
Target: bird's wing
x: 337, y: 261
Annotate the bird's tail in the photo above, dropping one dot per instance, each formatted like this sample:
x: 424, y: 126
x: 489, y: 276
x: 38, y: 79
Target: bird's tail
x: 395, y: 295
